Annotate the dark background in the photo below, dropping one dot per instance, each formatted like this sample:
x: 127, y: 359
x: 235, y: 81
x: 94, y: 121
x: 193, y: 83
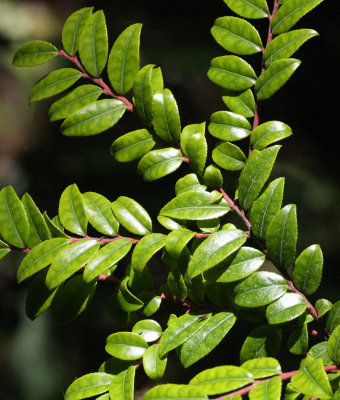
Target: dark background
x: 39, y: 359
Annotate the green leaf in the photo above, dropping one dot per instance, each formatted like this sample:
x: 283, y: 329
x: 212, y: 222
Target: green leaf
x: 228, y: 156
x: 99, y: 213
x: 285, y: 45
x: 88, y: 385
x: 266, y: 207
x: 93, y: 118
x: 148, y: 329
x: 122, y: 386
x: 255, y: 174
x: 206, y: 338
x: 240, y: 103
x: 69, y: 261
x: 151, y: 301
x: 322, y: 307
x: 123, y: 63
x: 154, y: 366
x: 71, y: 210
x: 132, y: 216
x: 158, y: 163
x: 333, y: 346
x: 281, y: 237
x: 171, y: 224
x: 262, y: 367
x: 93, y: 44
x: 73, y: 101
x: 215, y: 249
x: 189, y: 183
x: 232, y: 73
x: 275, y: 77
x: 132, y: 145
x: 115, y: 366
x: 34, y: 53
x: 290, y: 12
x: 126, y: 345
x: 236, y: 35
x: 212, y: 177
x: 298, y: 340
x: 176, y: 284
x: 333, y: 319
x: 222, y: 379
x: 311, y: 379
x: 4, y: 249
x: 291, y: 393
x: 194, y: 206
x: 268, y: 133
x: 53, y: 83
x: 72, y: 29
x: 307, y: 272
x: 72, y: 299
x: 226, y: 125
x: 105, y: 258
x: 127, y: 301
x: 177, y: 240
x: 254, y: 9
x: 166, y: 119
x: 55, y: 227
x: 191, y: 130
x: 179, y: 331
x: 175, y: 392
x: 320, y: 351
x: 286, y: 308
x: 260, y: 289
x: 13, y: 219
x: 145, y: 249
x: 142, y: 280
x: 196, y: 150
x: 40, y: 257
x: 268, y: 390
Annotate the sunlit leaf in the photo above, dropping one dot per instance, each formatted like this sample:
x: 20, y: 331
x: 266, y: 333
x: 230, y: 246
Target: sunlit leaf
x: 154, y: 366
x: 122, y: 386
x: 262, y: 367
x: 240, y: 103
x: 226, y: 125
x: 88, y: 385
x: 228, y: 156
x: 268, y: 133
x: 34, y: 53
x: 145, y: 249
x: 249, y: 8
x: 126, y: 345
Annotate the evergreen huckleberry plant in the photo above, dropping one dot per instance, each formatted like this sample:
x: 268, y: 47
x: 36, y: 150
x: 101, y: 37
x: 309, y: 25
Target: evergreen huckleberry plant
x: 216, y: 272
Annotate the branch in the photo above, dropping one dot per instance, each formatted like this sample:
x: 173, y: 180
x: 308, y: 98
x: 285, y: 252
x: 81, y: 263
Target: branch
x: 310, y: 307
x: 234, y: 207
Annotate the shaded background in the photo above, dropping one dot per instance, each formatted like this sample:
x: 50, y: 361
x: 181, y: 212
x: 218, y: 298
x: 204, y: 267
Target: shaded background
x: 39, y: 359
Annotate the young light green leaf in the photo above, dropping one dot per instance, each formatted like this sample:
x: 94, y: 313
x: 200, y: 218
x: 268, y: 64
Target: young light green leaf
x: 275, y: 77
x: 281, y: 237
x: 286, y: 308
x: 158, y: 163
x: 228, y: 156
x: 212, y: 177
x: 268, y: 133
x: 93, y: 118
x: 232, y: 73
x: 88, y: 385
x: 126, y: 345
x: 126, y: 299
x: 196, y: 150
x: 132, y: 145
x: 132, y: 216
x: 34, y: 53
x: 189, y: 183
x: 148, y: 329
x: 13, y: 219
x: 333, y: 319
x: 175, y: 392
x: 255, y: 174
x: 262, y: 367
x: 226, y: 125
x: 122, y: 386
x: 72, y: 29
x: 71, y: 210
x: 153, y: 365
x: 123, y: 63
x: 240, y: 103
x: 177, y: 240
x: 297, y: 342
x: 333, y: 346
x: 236, y: 35
x: 253, y: 9
x: 93, y: 44
x: 145, y: 249
x: 320, y: 351
x: 268, y: 390
x: 191, y: 130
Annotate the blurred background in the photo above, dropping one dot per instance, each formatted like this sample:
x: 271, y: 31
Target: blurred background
x: 40, y: 359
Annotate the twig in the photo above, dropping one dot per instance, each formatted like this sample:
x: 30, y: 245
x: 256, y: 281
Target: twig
x: 234, y: 207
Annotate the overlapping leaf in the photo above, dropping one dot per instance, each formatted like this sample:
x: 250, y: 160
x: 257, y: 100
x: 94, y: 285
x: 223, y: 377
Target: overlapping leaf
x: 132, y: 145
x: 268, y: 133
x: 240, y: 103
x: 126, y: 345
x: 173, y: 392
x: 177, y: 240
x: 189, y: 183
x: 196, y: 150
x: 88, y: 385
x: 212, y: 177
x: 122, y: 386
x: 71, y: 210
x: 226, y: 125
x: 268, y: 390
x: 229, y: 156
x: 333, y: 346
x: 249, y: 8
x: 145, y: 249
x: 333, y: 319
x: 286, y: 308
x: 262, y: 367
x: 154, y: 366
x: 148, y: 329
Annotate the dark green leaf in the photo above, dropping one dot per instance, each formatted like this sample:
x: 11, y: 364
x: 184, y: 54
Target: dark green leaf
x: 177, y: 240
x: 132, y: 145
x: 140, y: 280
x: 298, y: 340
x: 122, y: 386
x: 154, y: 366
x: 333, y: 319
x: 262, y: 367
x: 189, y: 183
x: 34, y: 53
x: 320, y: 351
x: 126, y: 345
x: 196, y: 150
x: 268, y: 133
x: 175, y: 392
x: 243, y: 104
x: 286, y: 308
x: 88, y: 385
x: 145, y: 249
x: 268, y: 390
x: 249, y: 8
x: 115, y: 366
x: 148, y: 329
x: 226, y: 125
x: 176, y: 284
x: 212, y: 177
x: 228, y: 156
x: 128, y: 301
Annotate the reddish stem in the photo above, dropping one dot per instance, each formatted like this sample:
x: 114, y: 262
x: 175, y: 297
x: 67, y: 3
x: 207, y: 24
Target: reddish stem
x: 234, y: 207
x: 310, y: 307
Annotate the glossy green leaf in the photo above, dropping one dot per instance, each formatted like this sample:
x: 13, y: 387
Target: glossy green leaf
x: 132, y: 216
x: 93, y: 118
x: 215, y: 249
x: 281, y: 237
x: 290, y: 12
x: 88, y: 385
x: 13, y: 219
x: 34, y: 53
x: 322, y: 306
x: 166, y: 119
x: 222, y: 379
x: 115, y: 366
x: 72, y: 29
x: 260, y: 289
x: 307, y: 272
x: 196, y: 150
x: 212, y: 177
x: 266, y: 207
x: 73, y: 101
x: 333, y: 346
x: 105, y: 258
x: 320, y: 351
x: 228, y: 156
x: 189, y: 183
x: 194, y: 206
x: 126, y: 345
x: 126, y: 299
x: 240, y: 103
x: 236, y: 35
x: 268, y: 133
x: 71, y: 210
x: 226, y: 125
x: 93, y: 44
x: 176, y: 284
x: 158, y: 163
x: 175, y: 392
x: 132, y: 145
x: 69, y: 261
x: 177, y: 240
x: 262, y: 367
x: 286, y: 308
x: 255, y: 174
x: 123, y: 63
x: 268, y: 390
x: 249, y: 8
x: 122, y: 386
x: 171, y: 224
x: 191, y: 130
x: 209, y: 225
x: 285, y: 45
x: 206, y: 338
x: 232, y: 73
x: 148, y: 329
x: 55, y: 227
x: 151, y: 301
x: 333, y: 319
x: 145, y: 249
x: 275, y: 77
x: 297, y: 342
x: 153, y: 365
x: 311, y: 379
